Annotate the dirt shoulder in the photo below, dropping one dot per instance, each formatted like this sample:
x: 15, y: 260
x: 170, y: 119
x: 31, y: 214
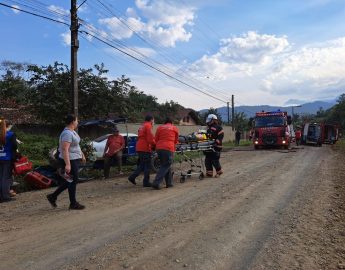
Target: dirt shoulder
x: 270, y: 210
x: 311, y: 233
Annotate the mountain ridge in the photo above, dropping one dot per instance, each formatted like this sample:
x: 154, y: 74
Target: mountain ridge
x: 249, y: 111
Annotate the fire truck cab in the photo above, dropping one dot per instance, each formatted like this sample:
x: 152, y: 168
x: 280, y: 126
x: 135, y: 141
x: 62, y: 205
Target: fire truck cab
x: 271, y: 130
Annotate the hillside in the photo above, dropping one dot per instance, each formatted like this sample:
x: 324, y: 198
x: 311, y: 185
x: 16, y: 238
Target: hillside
x: 307, y: 108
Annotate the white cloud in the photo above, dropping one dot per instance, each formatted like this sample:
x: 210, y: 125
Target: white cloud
x: 165, y: 13
x: 121, y: 28
x: 312, y: 70
x: 252, y: 48
x: 66, y: 38
x: 267, y: 67
x: 59, y: 10
x: 130, y: 12
x: 241, y: 56
x: 95, y: 32
x: 209, y: 67
x: 14, y: 9
x: 160, y: 21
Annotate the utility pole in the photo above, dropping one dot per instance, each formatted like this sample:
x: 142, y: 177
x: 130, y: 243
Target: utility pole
x: 228, y: 106
x: 293, y: 113
x: 233, y: 113
x: 74, y: 52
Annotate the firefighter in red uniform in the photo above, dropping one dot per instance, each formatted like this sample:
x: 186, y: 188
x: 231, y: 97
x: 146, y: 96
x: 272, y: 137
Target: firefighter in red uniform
x: 214, y: 132
x: 298, y: 135
x: 166, y: 138
x: 144, y: 148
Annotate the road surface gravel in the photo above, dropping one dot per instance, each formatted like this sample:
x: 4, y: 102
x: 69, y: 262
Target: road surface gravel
x: 271, y: 209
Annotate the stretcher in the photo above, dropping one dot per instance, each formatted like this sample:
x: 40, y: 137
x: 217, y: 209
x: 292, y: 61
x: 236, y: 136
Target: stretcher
x: 195, y: 165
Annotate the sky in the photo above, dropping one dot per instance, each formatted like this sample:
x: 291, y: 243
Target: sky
x: 195, y: 52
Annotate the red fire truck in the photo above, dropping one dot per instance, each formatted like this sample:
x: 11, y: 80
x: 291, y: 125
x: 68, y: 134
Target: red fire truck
x: 330, y: 133
x: 271, y: 130
x: 319, y: 133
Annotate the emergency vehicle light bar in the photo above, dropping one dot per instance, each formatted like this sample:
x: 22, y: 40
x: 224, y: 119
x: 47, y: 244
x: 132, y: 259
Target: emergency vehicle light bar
x: 271, y: 113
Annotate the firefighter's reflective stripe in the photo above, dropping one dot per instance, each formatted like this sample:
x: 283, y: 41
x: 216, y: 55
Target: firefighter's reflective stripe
x: 221, y: 132
x: 220, y: 172
x: 209, y: 173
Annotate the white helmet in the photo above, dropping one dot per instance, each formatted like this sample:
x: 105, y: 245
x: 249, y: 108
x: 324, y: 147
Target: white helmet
x: 210, y: 117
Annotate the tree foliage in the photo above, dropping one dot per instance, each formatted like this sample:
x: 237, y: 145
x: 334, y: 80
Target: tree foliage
x: 13, y: 86
x: 336, y: 114
x: 46, y: 92
x: 240, y: 121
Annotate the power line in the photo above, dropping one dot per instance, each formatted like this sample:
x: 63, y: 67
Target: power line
x: 96, y: 31
x: 108, y: 9
x: 37, y: 6
x: 81, y: 4
x: 124, y: 52
x: 34, y: 14
x: 151, y: 66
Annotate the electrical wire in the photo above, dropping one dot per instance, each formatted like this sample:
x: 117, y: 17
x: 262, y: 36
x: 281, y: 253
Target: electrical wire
x: 112, y: 13
x: 121, y: 50
x: 31, y: 13
x: 42, y: 9
x: 98, y: 32
x: 154, y: 68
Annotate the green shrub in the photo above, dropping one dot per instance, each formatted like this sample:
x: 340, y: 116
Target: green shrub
x: 36, y: 147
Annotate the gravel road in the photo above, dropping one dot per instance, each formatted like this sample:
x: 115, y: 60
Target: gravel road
x: 271, y: 209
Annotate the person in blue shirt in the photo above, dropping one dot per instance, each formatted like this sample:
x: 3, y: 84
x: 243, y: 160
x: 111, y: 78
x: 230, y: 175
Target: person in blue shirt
x: 8, y: 148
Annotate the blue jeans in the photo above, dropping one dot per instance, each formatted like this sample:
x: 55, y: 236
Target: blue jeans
x: 166, y: 160
x: 72, y: 187
x: 144, y: 165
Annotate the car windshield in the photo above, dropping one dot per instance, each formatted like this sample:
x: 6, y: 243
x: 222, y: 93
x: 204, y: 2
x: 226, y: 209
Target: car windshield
x: 314, y: 131
x: 102, y: 138
x: 269, y: 121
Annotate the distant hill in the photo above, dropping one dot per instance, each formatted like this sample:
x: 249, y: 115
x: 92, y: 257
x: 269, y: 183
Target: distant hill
x: 307, y: 108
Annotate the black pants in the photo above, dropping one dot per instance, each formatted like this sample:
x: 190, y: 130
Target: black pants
x: 144, y: 165
x: 166, y: 160
x: 72, y: 187
x: 5, y: 179
x: 212, y: 160
x: 109, y: 160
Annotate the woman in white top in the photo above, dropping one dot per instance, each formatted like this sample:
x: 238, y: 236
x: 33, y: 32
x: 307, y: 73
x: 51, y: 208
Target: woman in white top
x: 70, y: 155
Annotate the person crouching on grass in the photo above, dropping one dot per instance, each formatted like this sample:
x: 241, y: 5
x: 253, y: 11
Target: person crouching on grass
x: 113, y: 150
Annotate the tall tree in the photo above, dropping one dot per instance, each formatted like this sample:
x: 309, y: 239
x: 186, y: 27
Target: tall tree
x: 337, y: 112
x: 13, y: 86
x: 241, y: 121
x: 49, y: 94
